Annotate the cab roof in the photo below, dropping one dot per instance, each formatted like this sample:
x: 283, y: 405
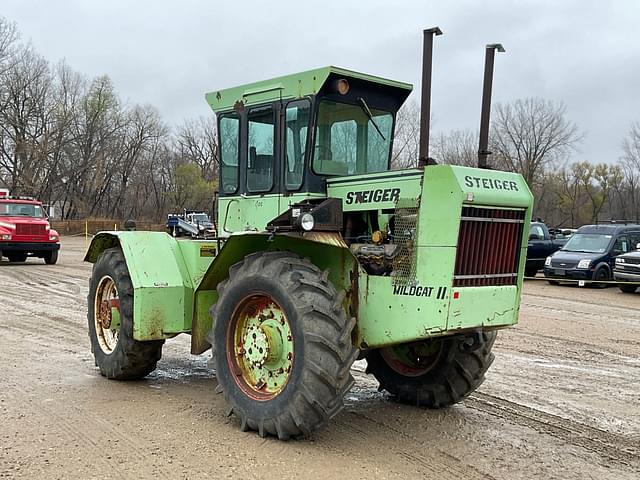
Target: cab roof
x: 293, y: 86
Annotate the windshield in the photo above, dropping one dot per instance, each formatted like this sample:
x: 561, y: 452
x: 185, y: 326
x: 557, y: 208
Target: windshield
x: 200, y: 217
x: 351, y: 139
x: 14, y: 209
x: 588, y: 242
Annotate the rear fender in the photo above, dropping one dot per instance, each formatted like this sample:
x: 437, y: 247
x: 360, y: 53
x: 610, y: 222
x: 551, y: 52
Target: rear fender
x: 326, y: 250
x: 164, y: 274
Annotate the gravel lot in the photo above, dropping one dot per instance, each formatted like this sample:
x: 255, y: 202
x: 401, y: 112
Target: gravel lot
x: 562, y: 400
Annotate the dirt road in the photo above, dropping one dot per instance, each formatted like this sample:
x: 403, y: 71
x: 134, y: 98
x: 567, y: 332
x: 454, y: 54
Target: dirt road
x: 562, y: 400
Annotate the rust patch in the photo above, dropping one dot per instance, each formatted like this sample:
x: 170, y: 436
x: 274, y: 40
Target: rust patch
x: 328, y: 238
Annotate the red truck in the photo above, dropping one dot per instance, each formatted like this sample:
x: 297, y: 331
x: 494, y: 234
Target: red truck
x: 25, y: 230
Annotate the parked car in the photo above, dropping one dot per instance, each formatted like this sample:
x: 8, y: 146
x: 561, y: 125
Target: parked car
x: 542, y: 243
x: 591, y: 252
x: 627, y: 269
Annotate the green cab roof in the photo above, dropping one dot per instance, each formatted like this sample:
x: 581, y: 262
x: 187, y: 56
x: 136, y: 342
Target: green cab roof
x: 289, y: 86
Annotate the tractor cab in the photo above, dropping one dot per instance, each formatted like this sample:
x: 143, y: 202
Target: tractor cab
x: 282, y: 139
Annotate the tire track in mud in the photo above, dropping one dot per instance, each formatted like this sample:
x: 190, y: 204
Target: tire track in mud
x: 446, y: 467
x: 64, y: 315
x: 595, y: 351
x: 604, y: 302
x: 607, y: 445
x: 437, y: 463
x: 571, y: 308
x: 76, y: 427
x: 55, y: 286
x: 65, y: 426
x: 429, y: 462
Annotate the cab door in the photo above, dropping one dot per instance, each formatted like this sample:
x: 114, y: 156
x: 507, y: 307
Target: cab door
x: 295, y: 152
x: 256, y: 199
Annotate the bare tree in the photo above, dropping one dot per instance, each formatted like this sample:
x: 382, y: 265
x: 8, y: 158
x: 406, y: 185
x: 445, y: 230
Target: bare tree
x: 9, y: 36
x: 197, y: 142
x: 529, y: 135
x: 406, y: 142
x: 457, y: 147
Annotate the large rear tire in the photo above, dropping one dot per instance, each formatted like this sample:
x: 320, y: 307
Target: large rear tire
x: 282, y: 345
x: 435, y: 373
x: 110, y: 319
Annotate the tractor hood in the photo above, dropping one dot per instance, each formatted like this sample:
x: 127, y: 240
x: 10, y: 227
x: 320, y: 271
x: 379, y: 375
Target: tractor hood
x: 463, y: 185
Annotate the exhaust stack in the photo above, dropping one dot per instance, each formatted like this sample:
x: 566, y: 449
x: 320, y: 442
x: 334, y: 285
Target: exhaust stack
x: 425, y: 101
x: 483, y: 148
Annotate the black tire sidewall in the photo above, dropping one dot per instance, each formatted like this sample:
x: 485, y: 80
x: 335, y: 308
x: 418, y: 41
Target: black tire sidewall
x: 103, y: 267
x: 50, y: 258
x: 130, y: 359
x: 435, y: 388
x: 233, y: 295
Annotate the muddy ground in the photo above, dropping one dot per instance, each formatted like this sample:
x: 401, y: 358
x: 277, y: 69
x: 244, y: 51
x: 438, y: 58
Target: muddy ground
x: 562, y: 400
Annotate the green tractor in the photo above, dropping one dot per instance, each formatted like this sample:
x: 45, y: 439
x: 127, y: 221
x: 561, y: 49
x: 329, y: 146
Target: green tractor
x: 323, y: 256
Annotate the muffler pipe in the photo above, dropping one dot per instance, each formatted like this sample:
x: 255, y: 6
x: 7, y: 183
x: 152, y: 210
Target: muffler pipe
x: 485, y: 114
x: 425, y: 101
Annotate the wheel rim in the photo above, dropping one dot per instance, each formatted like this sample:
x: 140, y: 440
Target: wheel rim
x: 413, y: 359
x: 260, y: 347
x: 107, y: 314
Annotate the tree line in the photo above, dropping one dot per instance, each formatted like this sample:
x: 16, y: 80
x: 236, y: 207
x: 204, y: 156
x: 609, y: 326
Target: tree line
x: 73, y: 142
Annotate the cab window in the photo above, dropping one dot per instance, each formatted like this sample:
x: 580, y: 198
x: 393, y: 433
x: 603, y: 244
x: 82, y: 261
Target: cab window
x: 536, y: 233
x: 297, y: 126
x: 621, y: 245
x: 229, y: 134
x: 634, y: 240
x: 261, y: 133
x: 348, y: 142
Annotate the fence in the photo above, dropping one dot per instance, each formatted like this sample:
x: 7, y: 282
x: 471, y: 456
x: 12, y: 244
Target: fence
x: 93, y: 226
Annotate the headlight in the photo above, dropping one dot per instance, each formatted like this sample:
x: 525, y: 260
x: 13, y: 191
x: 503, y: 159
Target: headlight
x: 5, y: 236
x: 547, y: 262
x: 584, y: 264
x: 53, y: 238
x: 619, y: 260
x: 307, y: 222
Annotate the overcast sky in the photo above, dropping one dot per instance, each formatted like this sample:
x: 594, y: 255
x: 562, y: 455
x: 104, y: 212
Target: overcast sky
x: 585, y: 53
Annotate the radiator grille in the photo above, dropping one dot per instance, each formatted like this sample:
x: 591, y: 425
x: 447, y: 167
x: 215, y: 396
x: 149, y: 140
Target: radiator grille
x: 488, y: 247
x: 29, y: 229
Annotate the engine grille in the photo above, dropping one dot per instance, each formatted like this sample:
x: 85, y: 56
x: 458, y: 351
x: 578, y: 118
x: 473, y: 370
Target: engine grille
x: 405, y: 234
x: 28, y: 229
x: 488, y: 247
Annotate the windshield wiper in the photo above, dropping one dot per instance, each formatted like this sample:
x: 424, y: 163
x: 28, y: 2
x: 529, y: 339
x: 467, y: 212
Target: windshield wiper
x: 365, y: 109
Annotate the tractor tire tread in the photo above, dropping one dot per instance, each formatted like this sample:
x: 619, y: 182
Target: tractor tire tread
x: 457, y: 374
x: 324, y: 376
x: 131, y: 359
